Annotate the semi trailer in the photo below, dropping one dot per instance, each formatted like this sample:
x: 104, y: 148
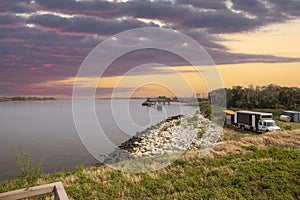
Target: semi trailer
x: 256, y: 121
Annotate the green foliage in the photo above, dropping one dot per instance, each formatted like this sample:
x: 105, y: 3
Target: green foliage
x: 165, y: 128
x: 192, y: 119
x: 200, y: 133
x: 181, y: 163
x: 271, y: 96
x: 287, y: 127
x: 292, y: 125
x: 271, y: 173
x: 177, y: 123
x: 206, y: 110
x: 29, y: 170
x: 251, y: 148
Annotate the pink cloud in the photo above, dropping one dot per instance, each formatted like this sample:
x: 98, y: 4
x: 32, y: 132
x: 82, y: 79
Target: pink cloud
x: 48, y: 65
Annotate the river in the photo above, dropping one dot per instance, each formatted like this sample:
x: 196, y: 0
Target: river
x: 47, y: 131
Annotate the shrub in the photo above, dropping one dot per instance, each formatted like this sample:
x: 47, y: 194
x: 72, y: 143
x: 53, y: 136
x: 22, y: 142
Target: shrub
x: 206, y: 110
x: 287, y: 127
x: 29, y: 170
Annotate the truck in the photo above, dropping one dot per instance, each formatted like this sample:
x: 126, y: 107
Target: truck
x: 256, y: 121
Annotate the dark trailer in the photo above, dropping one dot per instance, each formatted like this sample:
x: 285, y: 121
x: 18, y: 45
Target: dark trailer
x: 295, y: 116
x: 249, y: 120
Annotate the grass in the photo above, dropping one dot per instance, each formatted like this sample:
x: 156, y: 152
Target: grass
x: 269, y: 172
x: 230, y: 133
x: 200, y: 133
x: 284, y: 125
x: 28, y: 169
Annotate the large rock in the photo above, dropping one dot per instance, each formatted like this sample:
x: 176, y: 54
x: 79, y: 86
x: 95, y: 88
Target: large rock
x: 172, y: 135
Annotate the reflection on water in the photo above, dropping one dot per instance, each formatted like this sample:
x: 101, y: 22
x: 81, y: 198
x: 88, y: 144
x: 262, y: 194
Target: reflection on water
x: 46, y: 130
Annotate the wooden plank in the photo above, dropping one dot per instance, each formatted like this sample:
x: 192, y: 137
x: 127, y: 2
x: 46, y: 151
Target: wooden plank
x: 59, y: 192
x: 56, y: 187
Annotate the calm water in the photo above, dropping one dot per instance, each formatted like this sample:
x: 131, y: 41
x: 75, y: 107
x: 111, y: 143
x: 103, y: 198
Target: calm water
x: 47, y: 130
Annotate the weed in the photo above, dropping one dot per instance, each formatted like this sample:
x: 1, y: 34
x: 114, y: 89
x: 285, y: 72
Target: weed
x: 251, y: 148
x: 192, y: 119
x: 165, y: 128
x: 29, y: 170
x: 200, y: 133
x: 177, y: 123
x: 287, y: 127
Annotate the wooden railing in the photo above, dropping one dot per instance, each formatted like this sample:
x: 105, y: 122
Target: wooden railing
x: 57, y: 188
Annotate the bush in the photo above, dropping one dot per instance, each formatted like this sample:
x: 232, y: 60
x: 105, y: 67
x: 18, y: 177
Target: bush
x: 206, y: 110
x: 287, y: 127
x: 28, y: 169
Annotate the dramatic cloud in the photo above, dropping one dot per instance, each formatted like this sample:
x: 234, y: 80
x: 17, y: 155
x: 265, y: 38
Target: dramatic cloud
x: 86, y: 24
x: 46, y: 40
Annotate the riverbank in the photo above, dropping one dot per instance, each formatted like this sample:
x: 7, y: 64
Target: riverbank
x: 260, y: 167
x: 171, y: 136
x: 240, y: 165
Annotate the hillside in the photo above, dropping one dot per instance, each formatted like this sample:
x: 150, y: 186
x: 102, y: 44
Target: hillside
x: 234, y: 142
x: 242, y: 166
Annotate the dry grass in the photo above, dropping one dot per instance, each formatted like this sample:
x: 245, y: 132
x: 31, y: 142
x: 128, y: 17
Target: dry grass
x: 190, y: 155
x: 266, y: 173
x: 287, y: 139
x: 153, y: 175
x: 69, y: 180
x: 133, y: 178
x: 233, y: 142
x: 41, y: 181
x: 101, y: 174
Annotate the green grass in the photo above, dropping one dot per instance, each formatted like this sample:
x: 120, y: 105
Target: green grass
x: 284, y: 125
x: 271, y: 173
x: 200, y: 133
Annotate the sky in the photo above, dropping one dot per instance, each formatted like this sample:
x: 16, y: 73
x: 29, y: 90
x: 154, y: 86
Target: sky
x: 43, y: 43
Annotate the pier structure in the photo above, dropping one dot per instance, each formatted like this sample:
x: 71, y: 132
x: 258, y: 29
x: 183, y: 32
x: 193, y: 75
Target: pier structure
x: 158, y: 100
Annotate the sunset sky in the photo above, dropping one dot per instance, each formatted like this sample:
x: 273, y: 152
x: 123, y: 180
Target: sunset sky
x: 44, y: 42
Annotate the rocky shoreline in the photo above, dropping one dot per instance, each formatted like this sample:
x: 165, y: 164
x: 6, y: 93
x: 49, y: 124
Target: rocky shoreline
x: 173, y: 135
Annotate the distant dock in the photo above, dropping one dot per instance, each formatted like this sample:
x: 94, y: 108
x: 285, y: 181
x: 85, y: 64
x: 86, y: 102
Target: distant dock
x: 158, y: 100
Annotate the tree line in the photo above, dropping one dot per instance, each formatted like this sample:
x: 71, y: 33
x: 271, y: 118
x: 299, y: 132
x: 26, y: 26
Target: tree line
x: 270, y: 96
x: 26, y: 98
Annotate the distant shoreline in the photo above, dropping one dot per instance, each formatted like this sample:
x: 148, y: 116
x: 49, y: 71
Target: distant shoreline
x: 9, y: 99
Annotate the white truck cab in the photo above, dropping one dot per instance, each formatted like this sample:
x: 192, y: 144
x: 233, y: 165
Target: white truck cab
x: 256, y: 121
x: 267, y: 125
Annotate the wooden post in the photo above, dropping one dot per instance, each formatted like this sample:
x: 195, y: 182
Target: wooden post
x: 57, y: 188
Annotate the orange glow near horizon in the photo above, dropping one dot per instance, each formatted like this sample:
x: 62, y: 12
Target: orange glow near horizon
x: 281, y: 40
x: 277, y: 40
x: 260, y: 74
x: 185, y: 81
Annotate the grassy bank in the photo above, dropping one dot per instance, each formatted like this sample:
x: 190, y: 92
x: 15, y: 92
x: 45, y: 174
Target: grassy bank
x: 243, y: 167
